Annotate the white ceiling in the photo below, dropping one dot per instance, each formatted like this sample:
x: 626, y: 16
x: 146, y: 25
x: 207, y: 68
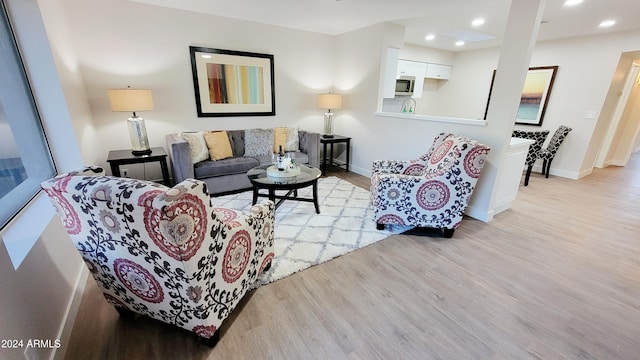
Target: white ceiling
x: 420, y: 17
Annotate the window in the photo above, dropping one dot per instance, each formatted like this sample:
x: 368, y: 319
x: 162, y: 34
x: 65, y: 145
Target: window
x: 25, y: 160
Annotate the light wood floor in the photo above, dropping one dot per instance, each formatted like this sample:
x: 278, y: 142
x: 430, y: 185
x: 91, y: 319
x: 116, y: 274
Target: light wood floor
x: 557, y: 276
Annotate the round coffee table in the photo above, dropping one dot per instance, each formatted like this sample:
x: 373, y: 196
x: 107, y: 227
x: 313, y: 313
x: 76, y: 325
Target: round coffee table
x: 308, y: 177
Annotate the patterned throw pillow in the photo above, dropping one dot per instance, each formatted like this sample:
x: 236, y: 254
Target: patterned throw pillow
x: 287, y: 137
x: 218, y: 144
x: 197, y: 145
x: 258, y: 142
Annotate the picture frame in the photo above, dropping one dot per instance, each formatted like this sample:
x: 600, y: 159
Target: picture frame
x: 232, y: 83
x: 535, y: 95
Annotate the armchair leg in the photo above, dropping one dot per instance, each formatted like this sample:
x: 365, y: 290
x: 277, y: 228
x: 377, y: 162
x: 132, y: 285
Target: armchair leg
x: 544, y: 166
x: 379, y: 226
x: 448, y: 233
x: 211, y: 341
x: 125, y: 313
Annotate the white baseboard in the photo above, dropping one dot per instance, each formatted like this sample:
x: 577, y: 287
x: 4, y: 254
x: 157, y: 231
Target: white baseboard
x: 360, y: 171
x: 481, y: 215
x: 584, y: 173
x: 562, y: 173
x: 503, y: 205
x: 64, y: 333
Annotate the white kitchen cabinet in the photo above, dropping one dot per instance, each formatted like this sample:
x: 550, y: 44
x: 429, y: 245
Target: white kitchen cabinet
x: 416, y: 69
x: 437, y: 71
x: 411, y: 68
x: 389, y: 76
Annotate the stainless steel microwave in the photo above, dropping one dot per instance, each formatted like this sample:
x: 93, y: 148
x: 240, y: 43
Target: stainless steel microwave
x: 405, y: 84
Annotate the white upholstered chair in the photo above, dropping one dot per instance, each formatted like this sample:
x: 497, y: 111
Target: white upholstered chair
x: 431, y: 191
x: 164, y: 252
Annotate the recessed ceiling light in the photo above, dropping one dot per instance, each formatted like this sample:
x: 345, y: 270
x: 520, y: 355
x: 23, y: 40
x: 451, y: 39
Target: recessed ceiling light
x: 572, y: 2
x: 430, y: 37
x: 459, y: 43
x: 477, y: 22
x: 607, y: 23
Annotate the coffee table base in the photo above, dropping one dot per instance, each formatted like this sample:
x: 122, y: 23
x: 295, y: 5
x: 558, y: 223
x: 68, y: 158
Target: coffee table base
x: 281, y: 198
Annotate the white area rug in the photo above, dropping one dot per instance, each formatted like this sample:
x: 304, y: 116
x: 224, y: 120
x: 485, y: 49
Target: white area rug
x: 304, y: 238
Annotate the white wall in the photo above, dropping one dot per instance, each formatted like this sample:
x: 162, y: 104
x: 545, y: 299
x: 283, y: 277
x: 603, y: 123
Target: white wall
x: 112, y: 53
x: 587, y: 66
x: 101, y: 45
x: 37, y: 299
x: 465, y: 94
x: 148, y: 47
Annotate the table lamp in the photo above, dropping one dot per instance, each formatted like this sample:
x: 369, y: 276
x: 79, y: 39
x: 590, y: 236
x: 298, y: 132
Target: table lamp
x: 134, y: 100
x: 329, y: 101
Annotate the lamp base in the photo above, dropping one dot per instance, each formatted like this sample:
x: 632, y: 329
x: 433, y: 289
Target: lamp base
x: 328, y: 136
x: 328, y: 124
x: 138, y: 136
x: 141, y: 152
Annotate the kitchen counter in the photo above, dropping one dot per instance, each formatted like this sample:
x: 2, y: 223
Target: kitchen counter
x: 451, y: 120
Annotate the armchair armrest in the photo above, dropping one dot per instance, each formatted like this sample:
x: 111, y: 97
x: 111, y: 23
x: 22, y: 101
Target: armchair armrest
x: 262, y: 210
x: 180, y: 157
x: 257, y: 226
x: 310, y: 145
x: 411, y: 167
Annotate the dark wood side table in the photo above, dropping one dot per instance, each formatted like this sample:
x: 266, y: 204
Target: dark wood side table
x: 333, y: 140
x: 124, y: 157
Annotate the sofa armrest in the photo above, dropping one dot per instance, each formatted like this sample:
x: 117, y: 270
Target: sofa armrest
x: 310, y: 145
x: 180, y: 157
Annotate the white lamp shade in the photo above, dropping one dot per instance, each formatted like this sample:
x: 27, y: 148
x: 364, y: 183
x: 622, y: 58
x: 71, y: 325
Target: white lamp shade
x: 130, y: 100
x: 329, y: 101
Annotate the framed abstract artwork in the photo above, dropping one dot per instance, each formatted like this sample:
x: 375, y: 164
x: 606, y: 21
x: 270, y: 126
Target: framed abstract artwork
x: 535, y: 95
x: 232, y: 83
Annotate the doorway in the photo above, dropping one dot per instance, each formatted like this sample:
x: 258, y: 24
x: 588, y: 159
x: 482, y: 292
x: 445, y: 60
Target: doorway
x: 622, y: 136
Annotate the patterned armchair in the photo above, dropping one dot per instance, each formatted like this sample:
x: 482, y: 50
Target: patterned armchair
x: 164, y: 252
x: 550, y: 151
x: 432, y: 191
x: 534, y: 149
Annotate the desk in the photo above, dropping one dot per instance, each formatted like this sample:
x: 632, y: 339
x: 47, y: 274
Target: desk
x: 334, y: 140
x: 124, y: 157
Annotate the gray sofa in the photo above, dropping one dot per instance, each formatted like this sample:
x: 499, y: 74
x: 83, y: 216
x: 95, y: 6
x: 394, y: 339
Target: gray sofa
x: 230, y: 175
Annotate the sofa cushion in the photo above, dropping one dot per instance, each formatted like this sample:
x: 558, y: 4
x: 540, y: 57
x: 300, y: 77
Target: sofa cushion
x: 258, y: 142
x: 197, y: 146
x: 218, y: 144
x: 235, y: 165
x: 237, y: 141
